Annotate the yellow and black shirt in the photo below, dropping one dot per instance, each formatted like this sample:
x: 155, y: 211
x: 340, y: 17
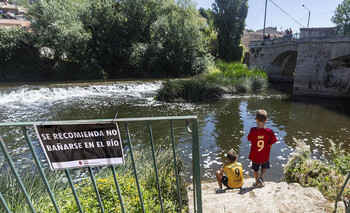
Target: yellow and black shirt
x: 234, y: 174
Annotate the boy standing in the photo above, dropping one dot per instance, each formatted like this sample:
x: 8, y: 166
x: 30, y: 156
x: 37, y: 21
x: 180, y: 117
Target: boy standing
x: 262, y: 139
x: 233, y: 169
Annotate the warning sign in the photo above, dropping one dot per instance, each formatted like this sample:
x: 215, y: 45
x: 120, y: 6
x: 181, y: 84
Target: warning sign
x: 81, y: 145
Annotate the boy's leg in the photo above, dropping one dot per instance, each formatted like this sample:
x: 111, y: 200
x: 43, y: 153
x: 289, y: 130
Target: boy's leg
x: 262, y: 173
x: 219, y: 178
x: 256, y: 175
x: 255, y: 168
x: 264, y: 166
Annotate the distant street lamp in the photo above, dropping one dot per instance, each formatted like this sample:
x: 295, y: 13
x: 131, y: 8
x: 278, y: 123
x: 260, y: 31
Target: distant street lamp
x: 308, y: 20
x: 265, y: 20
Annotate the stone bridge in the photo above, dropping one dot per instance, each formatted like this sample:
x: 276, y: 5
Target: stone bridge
x: 318, y: 62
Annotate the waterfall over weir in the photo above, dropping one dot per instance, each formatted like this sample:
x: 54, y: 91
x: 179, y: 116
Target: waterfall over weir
x: 37, y: 95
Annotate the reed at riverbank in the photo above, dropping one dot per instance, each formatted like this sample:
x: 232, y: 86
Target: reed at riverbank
x: 221, y: 78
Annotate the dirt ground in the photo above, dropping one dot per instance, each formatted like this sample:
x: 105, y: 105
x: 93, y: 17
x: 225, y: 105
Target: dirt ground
x: 274, y: 197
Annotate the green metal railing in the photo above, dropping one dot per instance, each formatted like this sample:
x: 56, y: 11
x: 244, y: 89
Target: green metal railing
x: 347, y: 204
x: 195, y: 162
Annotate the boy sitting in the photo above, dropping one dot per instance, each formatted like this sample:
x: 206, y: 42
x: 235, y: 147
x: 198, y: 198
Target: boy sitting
x: 233, y: 169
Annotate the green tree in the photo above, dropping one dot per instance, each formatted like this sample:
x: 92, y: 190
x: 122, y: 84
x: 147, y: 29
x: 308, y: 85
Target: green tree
x: 176, y: 46
x: 19, y: 58
x: 85, y: 37
x: 209, y: 31
x: 341, y: 17
x: 207, y: 14
x: 88, y: 39
x: 229, y: 20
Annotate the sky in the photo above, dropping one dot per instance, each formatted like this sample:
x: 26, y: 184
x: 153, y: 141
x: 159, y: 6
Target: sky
x: 321, y: 13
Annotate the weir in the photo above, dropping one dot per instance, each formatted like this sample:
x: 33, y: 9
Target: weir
x: 147, y: 121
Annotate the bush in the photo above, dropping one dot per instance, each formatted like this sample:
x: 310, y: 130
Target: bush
x: 193, y: 89
x: 327, y: 177
x: 234, y: 78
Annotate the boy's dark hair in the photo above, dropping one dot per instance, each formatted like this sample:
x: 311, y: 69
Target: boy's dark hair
x: 231, y: 155
x: 261, y: 115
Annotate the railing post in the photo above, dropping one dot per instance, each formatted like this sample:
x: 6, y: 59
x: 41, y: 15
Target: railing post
x: 155, y: 166
x: 73, y: 190
x: 96, y: 189
x: 196, y: 165
x: 18, y: 178
x: 175, y: 166
x: 36, y: 159
x: 134, y: 166
x: 3, y: 202
x: 118, y: 189
x: 339, y: 196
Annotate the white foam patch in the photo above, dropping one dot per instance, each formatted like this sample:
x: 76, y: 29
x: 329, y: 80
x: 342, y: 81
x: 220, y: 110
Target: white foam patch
x: 230, y: 96
x: 208, y: 163
x: 38, y: 95
x: 281, y: 158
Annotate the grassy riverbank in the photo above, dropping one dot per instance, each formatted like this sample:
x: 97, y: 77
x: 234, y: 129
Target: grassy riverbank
x: 221, y: 78
x: 326, y: 176
x: 106, y: 186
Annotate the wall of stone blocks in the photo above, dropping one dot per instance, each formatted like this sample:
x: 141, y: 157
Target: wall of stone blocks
x: 317, y: 74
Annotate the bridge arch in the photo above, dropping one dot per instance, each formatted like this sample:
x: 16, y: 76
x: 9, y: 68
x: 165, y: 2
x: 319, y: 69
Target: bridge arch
x: 286, y: 63
x: 344, y: 58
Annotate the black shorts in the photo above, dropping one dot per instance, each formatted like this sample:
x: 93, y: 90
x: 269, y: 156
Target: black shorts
x: 256, y: 166
x: 225, y: 181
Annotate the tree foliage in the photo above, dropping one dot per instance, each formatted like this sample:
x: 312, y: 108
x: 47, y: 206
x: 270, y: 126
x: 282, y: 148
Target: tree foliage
x: 207, y: 14
x: 229, y: 20
x: 176, y: 46
x: 341, y: 17
x: 19, y: 59
x: 88, y: 39
x: 209, y: 31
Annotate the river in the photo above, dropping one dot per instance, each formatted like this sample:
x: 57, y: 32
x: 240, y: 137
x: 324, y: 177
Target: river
x: 223, y: 124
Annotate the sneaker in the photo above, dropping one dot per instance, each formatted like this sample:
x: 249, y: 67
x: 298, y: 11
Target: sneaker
x: 219, y: 191
x: 261, y: 182
x: 255, y: 184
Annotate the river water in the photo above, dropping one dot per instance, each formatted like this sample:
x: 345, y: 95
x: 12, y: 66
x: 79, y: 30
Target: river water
x: 223, y: 124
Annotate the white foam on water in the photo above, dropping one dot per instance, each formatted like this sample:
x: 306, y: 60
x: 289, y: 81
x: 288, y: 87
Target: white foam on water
x: 39, y: 95
x: 208, y: 163
x: 281, y: 158
x: 260, y: 96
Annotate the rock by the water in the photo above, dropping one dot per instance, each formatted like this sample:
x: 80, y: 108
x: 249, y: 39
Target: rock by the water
x: 274, y: 197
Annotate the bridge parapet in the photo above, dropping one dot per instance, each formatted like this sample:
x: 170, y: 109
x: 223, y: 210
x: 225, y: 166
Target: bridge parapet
x: 317, y: 32
x: 272, y: 42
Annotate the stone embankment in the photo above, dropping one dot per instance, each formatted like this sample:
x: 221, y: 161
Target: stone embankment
x: 274, y: 197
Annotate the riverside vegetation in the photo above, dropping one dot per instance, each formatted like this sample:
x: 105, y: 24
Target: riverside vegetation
x: 326, y: 176
x: 85, y: 39
x: 221, y: 78
x: 106, y: 186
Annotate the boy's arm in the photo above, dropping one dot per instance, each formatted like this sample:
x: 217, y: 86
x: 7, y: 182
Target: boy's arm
x: 222, y: 168
x: 272, y: 139
x: 249, y: 137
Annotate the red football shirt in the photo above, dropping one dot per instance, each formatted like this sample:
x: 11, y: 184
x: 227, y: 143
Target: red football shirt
x: 261, y: 140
